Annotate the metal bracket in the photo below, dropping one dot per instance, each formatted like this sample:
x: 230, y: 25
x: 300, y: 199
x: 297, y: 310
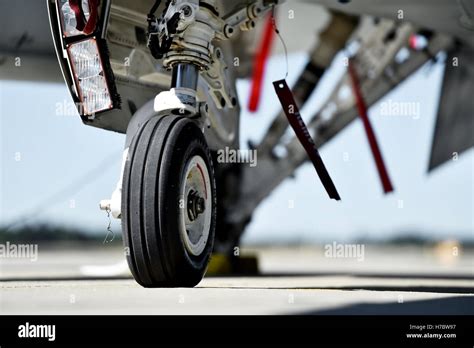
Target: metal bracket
x: 217, y: 79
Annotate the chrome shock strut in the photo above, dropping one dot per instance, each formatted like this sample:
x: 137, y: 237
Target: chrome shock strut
x: 184, y: 36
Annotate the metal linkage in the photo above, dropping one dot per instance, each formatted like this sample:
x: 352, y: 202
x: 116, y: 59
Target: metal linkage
x: 380, y: 73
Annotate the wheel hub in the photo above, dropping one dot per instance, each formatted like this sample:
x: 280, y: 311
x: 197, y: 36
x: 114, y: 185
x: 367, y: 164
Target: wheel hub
x: 196, y: 205
x: 196, y: 213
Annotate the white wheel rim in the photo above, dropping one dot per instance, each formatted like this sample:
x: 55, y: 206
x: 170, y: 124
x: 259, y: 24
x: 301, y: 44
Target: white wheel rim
x: 195, y: 232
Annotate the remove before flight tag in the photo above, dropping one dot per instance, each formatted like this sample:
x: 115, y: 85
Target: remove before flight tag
x: 294, y: 118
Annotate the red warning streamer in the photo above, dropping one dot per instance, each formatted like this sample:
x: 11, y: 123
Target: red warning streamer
x: 93, y: 17
x: 259, y: 64
x: 79, y: 13
x: 296, y: 122
x: 87, y: 27
x: 362, y: 107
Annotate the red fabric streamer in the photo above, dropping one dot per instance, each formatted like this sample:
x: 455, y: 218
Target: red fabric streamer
x: 292, y: 112
x: 93, y: 17
x: 259, y: 65
x: 81, y: 24
x: 79, y: 13
x: 362, y: 107
x: 413, y: 42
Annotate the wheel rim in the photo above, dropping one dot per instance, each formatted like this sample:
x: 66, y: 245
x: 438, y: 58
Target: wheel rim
x: 195, y: 206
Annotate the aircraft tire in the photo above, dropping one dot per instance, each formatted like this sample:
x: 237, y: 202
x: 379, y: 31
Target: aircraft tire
x: 168, y: 204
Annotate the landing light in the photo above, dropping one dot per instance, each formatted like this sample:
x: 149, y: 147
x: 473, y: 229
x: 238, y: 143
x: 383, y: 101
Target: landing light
x: 89, y: 75
x: 79, y: 28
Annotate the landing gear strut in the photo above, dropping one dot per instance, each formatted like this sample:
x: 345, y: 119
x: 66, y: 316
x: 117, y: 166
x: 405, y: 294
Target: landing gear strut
x: 167, y: 194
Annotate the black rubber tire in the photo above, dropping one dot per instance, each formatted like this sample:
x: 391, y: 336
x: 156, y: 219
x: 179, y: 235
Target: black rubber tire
x: 157, y: 159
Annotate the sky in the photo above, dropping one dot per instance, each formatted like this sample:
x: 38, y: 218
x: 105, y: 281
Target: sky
x: 46, y: 157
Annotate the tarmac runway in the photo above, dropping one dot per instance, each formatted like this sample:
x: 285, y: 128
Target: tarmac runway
x: 292, y: 280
